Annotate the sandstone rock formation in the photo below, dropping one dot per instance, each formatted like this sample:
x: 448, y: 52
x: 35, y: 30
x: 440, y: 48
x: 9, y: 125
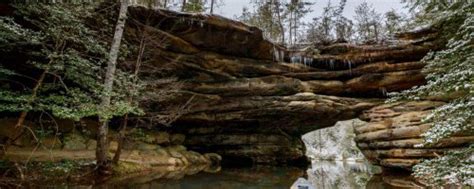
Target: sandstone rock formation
x: 251, y: 100
x: 391, y: 137
x: 334, y: 143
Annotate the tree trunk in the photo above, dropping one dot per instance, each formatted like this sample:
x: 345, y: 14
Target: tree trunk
x: 280, y: 23
x: 123, y: 132
x: 291, y: 30
x: 102, y: 147
x: 295, y: 28
x: 21, y: 119
x: 121, y: 140
x: 212, y: 6
x: 183, y: 7
x: 23, y: 114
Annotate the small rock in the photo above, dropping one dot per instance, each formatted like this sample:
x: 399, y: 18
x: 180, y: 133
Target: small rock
x: 161, y: 138
x: 146, y: 147
x: 177, y: 139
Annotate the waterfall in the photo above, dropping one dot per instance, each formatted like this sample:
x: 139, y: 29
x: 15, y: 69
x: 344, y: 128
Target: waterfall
x: 384, y: 91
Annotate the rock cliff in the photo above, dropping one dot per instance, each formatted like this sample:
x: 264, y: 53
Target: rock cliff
x: 249, y: 99
x: 229, y: 91
x: 391, y: 137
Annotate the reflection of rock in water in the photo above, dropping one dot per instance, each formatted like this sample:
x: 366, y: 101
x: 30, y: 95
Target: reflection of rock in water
x: 302, y: 183
x: 338, y: 174
x: 393, y: 181
x: 227, y: 178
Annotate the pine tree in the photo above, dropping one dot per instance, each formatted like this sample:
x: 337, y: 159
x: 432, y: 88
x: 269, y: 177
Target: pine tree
x: 195, y: 6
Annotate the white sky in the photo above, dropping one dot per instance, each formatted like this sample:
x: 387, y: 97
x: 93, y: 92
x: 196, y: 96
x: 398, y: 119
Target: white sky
x: 233, y: 8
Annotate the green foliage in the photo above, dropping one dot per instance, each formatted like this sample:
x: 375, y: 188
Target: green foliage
x: 58, y: 168
x: 56, y: 40
x: 457, y: 168
x: 263, y: 17
x: 450, y: 75
x: 195, y: 6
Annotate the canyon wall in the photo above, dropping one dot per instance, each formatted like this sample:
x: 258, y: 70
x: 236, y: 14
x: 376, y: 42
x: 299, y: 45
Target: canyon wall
x: 250, y: 100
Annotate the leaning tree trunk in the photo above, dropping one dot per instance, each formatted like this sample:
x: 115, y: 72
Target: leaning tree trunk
x: 22, y: 117
x: 101, y: 150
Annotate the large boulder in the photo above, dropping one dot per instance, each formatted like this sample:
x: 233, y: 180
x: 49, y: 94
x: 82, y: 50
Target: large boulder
x: 334, y: 143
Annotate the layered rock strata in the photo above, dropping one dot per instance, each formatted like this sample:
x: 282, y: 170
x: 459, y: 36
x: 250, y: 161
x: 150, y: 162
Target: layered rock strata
x: 251, y: 100
x: 392, y: 135
x: 246, y: 98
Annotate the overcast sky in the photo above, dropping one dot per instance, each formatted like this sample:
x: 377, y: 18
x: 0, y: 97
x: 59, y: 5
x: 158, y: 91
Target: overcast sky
x: 233, y: 8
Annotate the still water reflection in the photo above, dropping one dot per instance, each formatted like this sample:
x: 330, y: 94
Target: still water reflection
x: 321, y: 175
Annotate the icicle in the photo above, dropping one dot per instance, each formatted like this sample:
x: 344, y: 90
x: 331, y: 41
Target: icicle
x: 350, y: 67
x: 384, y: 91
x: 276, y: 54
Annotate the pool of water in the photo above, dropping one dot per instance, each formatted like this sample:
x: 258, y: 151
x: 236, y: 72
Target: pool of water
x: 321, y: 175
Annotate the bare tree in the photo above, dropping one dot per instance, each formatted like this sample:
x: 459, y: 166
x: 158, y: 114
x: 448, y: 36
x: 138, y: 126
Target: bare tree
x: 368, y: 23
x: 102, y: 145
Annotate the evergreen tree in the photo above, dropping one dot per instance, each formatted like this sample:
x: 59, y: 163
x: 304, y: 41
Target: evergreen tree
x: 295, y: 11
x: 268, y: 17
x: 450, y: 75
x: 195, y: 6
x: 394, y: 22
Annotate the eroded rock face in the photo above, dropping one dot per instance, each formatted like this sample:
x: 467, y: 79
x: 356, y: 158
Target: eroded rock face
x: 392, y: 135
x: 251, y: 100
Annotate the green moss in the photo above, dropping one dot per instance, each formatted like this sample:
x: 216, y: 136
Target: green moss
x: 123, y: 168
